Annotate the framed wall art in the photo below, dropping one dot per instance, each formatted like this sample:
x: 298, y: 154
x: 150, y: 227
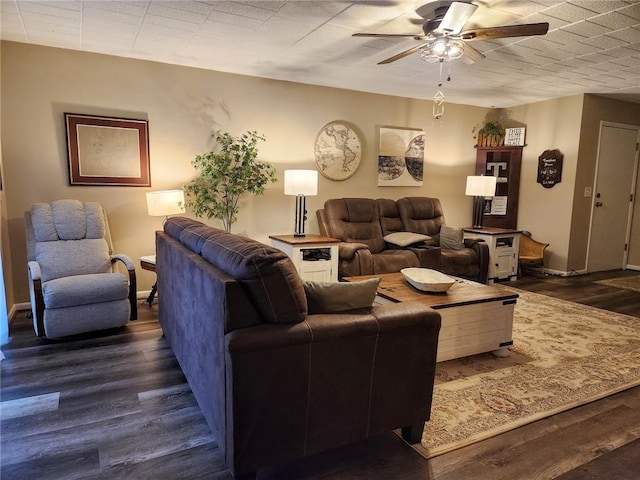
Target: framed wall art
x: 107, y: 151
x: 400, y: 157
x: 338, y: 150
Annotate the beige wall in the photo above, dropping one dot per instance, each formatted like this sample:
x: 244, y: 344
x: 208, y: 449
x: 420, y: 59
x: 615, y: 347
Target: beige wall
x: 597, y: 109
x: 546, y: 212
x: 183, y: 105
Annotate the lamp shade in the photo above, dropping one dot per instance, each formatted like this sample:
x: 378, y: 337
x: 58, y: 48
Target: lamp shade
x: 165, y: 202
x: 481, y: 186
x: 300, y: 182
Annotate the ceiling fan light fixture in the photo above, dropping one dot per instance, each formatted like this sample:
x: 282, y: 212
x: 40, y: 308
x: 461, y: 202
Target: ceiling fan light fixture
x: 456, y: 49
x: 442, y: 49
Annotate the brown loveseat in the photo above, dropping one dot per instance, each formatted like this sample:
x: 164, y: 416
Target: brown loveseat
x: 362, y: 224
x: 273, y: 381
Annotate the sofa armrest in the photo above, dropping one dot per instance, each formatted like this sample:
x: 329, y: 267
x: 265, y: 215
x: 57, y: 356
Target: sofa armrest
x: 329, y: 380
x: 36, y: 297
x: 330, y: 326
x: 347, y: 250
x: 133, y: 284
x: 482, y: 249
x: 34, y: 270
x: 354, y: 259
x: 470, y: 242
x: 121, y: 257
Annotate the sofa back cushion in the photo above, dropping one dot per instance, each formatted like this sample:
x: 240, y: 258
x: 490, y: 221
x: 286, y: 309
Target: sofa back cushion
x: 390, y: 220
x: 68, y: 237
x: 354, y: 220
x: 267, y: 274
x: 422, y: 215
x: 72, y: 257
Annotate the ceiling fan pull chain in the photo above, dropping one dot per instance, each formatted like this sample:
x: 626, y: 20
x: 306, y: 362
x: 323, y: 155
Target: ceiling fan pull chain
x: 440, y: 79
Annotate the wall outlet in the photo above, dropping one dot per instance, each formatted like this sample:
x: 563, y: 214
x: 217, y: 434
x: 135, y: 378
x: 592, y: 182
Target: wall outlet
x: 587, y: 191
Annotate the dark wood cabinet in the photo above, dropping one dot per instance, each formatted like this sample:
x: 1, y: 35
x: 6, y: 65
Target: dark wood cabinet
x: 501, y: 211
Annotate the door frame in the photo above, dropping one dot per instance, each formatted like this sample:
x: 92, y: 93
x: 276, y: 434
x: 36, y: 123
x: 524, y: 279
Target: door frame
x: 634, y: 179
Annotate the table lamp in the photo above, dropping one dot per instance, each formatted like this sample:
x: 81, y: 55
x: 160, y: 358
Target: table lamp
x: 300, y: 183
x: 480, y: 186
x: 163, y: 203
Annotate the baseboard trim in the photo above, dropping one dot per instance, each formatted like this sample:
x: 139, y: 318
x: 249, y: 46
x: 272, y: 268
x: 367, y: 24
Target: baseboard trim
x: 633, y: 267
x: 18, y: 307
x: 564, y: 273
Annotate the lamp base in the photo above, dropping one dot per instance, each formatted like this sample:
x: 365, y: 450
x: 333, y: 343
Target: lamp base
x: 478, y: 207
x: 301, y: 216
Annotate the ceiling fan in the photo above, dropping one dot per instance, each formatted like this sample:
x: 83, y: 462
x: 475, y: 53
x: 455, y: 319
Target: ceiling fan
x: 443, y: 37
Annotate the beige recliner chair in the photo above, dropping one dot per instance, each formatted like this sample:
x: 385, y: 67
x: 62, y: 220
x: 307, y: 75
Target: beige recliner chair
x: 73, y: 286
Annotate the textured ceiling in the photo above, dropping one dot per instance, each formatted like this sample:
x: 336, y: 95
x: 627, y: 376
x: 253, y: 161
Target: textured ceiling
x: 593, y: 46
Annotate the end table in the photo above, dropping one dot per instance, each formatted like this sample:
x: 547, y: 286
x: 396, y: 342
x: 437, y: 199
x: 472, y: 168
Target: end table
x: 314, y: 256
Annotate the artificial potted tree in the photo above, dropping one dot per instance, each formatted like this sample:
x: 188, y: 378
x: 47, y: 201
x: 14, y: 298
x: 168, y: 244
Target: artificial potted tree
x: 225, y: 174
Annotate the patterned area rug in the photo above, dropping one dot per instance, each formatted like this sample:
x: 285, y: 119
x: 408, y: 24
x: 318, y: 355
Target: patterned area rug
x: 626, y: 283
x: 564, y: 355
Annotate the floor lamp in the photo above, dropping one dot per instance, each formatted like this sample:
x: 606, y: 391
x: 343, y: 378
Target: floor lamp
x: 480, y: 186
x: 300, y: 183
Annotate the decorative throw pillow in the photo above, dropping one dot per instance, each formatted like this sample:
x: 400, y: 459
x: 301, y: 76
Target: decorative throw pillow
x: 404, y: 239
x: 451, y: 238
x: 325, y: 297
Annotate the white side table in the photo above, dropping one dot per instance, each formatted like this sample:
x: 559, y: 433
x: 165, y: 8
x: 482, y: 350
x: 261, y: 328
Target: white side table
x: 504, y: 244
x: 314, y: 256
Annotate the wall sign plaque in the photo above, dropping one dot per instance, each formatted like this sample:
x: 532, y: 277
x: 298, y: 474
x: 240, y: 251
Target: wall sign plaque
x: 514, y: 136
x: 550, y: 168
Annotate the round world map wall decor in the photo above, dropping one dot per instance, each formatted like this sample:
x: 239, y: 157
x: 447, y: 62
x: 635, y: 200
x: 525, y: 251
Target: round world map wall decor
x: 338, y: 150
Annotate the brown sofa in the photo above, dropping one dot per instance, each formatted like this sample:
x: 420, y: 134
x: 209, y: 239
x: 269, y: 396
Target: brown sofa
x: 273, y: 381
x: 362, y: 224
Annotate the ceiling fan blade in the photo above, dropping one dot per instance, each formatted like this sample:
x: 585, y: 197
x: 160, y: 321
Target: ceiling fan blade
x: 390, y: 35
x: 456, y: 17
x: 507, y: 31
x: 403, y: 54
x: 471, y: 55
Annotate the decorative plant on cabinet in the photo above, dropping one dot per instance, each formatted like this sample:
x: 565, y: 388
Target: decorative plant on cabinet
x: 225, y: 175
x: 490, y: 134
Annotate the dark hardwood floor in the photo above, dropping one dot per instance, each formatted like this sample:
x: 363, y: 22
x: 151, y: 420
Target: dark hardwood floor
x: 116, y: 405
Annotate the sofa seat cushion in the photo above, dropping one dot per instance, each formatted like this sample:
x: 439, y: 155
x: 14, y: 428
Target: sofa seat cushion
x: 85, y: 290
x: 266, y: 273
x: 389, y: 261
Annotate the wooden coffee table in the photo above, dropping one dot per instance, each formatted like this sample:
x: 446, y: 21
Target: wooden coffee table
x: 476, y: 318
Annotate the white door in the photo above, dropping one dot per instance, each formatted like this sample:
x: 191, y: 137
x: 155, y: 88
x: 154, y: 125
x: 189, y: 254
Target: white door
x: 612, y: 199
